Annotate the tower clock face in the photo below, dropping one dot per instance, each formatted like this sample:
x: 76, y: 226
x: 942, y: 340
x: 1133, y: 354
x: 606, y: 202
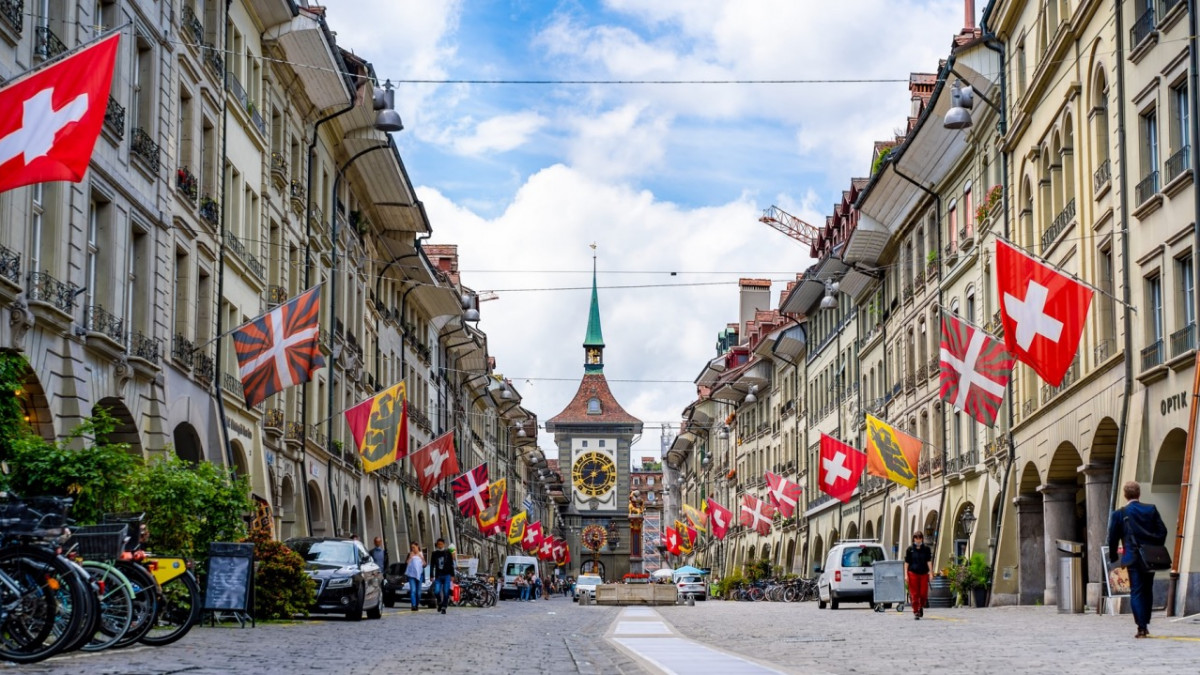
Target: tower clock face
x: 594, y: 474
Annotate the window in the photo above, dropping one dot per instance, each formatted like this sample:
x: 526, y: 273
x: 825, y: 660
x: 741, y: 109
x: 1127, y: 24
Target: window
x: 1020, y: 61
x: 1186, y: 300
x: 1179, y: 161
x: 593, y: 407
x: 1148, y: 129
x: 650, y: 480
x: 1154, y: 320
x: 602, y: 443
x: 952, y: 226
x: 968, y: 214
x: 142, y: 108
x: 35, y: 227
x: 1104, y: 300
x: 583, y: 444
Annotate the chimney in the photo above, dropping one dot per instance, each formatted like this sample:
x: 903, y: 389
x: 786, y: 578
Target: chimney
x: 969, y: 21
x: 753, y: 295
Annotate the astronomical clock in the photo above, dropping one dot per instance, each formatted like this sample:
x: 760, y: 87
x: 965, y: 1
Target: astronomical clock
x: 594, y: 474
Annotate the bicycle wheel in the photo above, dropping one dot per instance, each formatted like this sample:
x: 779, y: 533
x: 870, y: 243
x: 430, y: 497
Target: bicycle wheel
x: 116, y: 605
x: 179, y: 611
x: 38, y: 590
x: 145, y: 602
x: 755, y: 594
x: 88, y: 607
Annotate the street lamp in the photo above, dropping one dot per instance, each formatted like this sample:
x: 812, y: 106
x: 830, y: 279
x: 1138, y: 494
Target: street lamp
x: 967, y: 522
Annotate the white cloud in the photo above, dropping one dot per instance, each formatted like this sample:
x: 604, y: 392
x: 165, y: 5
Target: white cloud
x: 499, y: 134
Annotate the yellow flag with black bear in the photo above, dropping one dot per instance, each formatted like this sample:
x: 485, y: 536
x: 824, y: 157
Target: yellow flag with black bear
x: 891, y: 453
x: 516, y: 528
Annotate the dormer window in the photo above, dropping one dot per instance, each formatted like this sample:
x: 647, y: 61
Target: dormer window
x: 593, y: 406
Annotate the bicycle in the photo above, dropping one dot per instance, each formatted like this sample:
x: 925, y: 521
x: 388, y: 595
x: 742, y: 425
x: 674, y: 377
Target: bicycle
x: 97, y: 547
x: 179, y: 601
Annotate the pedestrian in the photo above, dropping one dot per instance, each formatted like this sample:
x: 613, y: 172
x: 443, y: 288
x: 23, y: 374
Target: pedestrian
x: 415, y: 571
x: 546, y: 588
x: 379, y: 554
x: 916, y: 570
x: 523, y: 588
x: 566, y: 587
x: 1134, y: 525
x: 441, y: 565
x: 535, y: 586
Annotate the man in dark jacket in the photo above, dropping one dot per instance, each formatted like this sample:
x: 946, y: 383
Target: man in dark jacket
x: 916, y: 571
x: 441, y: 566
x: 1135, y: 525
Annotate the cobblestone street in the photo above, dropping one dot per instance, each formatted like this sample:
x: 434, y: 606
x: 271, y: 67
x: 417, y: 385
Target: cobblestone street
x: 558, y: 636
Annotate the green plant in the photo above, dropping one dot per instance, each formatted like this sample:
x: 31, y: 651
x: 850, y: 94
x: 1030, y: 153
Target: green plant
x: 979, y: 571
x: 188, y: 506
x: 990, y: 201
x: 728, y: 582
x: 880, y: 159
x: 281, y: 588
x: 758, y: 570
x: 932, y: 256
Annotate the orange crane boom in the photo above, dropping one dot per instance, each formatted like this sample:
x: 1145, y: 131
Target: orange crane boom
x: 790, y: 225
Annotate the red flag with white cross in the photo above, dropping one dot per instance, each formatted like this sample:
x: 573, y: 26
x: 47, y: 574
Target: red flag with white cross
x: 720, y: 517
x: 975, y: 370
x: 1042, y: 311
x: 532, y: 540
x: 841, y: 467
x: 783, y: 493
x: 757, y: 514
x: 435, y: 461
x: 671, y: 540
x: 546, y: 552
x: 51, y: 118
x: 471, y: 490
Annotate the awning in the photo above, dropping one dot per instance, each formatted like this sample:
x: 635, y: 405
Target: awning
x: 804, y: 296
x: 791, y: 342
x: 757, y: 374
x: 310, y: 49
x: 680, y: 447
x: 272, y: 12
x: 391, y: 196
x: 855, y: 283
x: 712, y: 370
x: 867, y: 242
x: 437, y: 300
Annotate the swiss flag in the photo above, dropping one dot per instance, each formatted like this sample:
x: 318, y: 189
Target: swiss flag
x: 435, y: 462
x: 1042, y: 310
x: 671, y: 540
x: 533, y: 537
x: 720, y: 517
x: 546, y: 552
x: 783, y: 493
x: 841, y: 467
x: 50, y: 119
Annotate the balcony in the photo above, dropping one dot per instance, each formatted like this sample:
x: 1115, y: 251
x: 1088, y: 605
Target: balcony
x: 114, y: 117
x: 96, y: 319
x: 10, y: 265
x: 144, y: 148
x: 183, y: 351
x: 1142, y: 28
x: 279, y: 170
x: 919, y: 279
x: 962, y: 462
x: 12, y: 12
x: 1165, y: 7
x: 1179, y: 162
x: 1064, y: 218
x: 1153, y: 355
x: 210, y: 212
x: 239, y: 92
x: 994, y: 326
x: 317, y: 436
x: 276, y: 295
x: 187, y: 184
x: 193, y: 30
x: 966, y: 237
x: 1104, y: 349
x: 1147, y: 188
x: 232, y: 384
x: 273, y: 420
x: 239, y: 249
x: 204, y: 369
x: 47, y: 289
x: 317, y: 218
x: 908, y: 291
x: 144, y: 347
x: 46, y: 44
x: 1183, y: 340
x: 1029, y: 407
x: 1102, y: 178
x: 298, y: 194
x: 294, y: 431
x: 420, y: 419
x: 214, y: 60
x: 1070, y: 378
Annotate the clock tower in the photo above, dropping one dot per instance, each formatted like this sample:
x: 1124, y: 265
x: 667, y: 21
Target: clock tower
x: 593, y: 435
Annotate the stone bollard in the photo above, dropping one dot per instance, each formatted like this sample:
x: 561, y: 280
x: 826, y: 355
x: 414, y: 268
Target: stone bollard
x: 691, y: 600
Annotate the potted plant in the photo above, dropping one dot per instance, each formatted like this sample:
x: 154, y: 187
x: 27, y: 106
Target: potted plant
x: 959, y: 574
x: 980, y: 574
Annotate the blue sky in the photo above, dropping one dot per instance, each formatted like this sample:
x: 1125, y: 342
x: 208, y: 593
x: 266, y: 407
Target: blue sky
x: 662, y: 177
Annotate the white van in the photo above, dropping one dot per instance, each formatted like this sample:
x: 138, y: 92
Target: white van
x: 847, y: 575
x: 515, y: 566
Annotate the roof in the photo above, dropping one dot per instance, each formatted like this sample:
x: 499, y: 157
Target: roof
x: 593, y: 385
x: 594, y: 337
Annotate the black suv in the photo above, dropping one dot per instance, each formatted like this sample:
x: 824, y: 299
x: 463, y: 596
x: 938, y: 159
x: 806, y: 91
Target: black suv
x: 348, y: 580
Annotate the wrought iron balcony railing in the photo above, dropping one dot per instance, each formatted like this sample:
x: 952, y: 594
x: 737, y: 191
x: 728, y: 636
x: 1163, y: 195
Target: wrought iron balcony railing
x: 183, y: 351
x: 96, y: 319
x: 145, y: 347
x: 317, y: 436
x: 210, y: 211
x: 1153, y: 355
x: 214, y: 60
x: 1061, y: 221
x: 278, y: 164
x: 10, y: 264
x: 1179, y: 162
x: 13, y: 11
x: 187, y: 184
x: 273, y: 419
x: 294, y: 431
x: 192, y: 28
x: 1147, y: 188
x: 1102, y: 177
x: 114, y: 117
x: 46, y: 44
x: 239, y: 249
x: 1183, y: 340
x: 1142, y: 28
x: 45, y: 288
x: 144, y: 147
x: 276, y: 295
x: 204, y: 369
x: 232, y: 384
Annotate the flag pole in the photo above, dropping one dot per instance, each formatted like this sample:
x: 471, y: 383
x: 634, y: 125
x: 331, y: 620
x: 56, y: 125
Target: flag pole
x: 1074, y: 277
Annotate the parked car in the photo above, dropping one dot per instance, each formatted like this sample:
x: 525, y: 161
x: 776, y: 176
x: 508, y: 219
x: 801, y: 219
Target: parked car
x: 587, y: 583
x: 395, y: 586
x: 348, y: 580
x: 693, y: 585
x: 847, y: 575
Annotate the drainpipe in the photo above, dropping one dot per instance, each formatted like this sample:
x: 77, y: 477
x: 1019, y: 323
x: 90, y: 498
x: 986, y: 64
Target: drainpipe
x: 1126, y: 291
x: 219, y: 370
x: 1185, y: 484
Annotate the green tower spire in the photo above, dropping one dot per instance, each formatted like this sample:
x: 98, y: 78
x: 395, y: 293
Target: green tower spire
x: 593, y: 342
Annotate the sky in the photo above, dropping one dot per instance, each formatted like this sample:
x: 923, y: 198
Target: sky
x: 667, y: 180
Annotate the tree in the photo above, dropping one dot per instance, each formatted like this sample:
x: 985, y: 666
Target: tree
x: 281, y: 588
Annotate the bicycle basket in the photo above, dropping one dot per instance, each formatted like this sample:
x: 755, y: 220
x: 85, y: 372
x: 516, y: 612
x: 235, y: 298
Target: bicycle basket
x: 33, y: 514
x: 134, y: 520
x: 98, y: 542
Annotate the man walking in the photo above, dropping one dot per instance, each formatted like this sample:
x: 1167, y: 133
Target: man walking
x: 379, y: 554
x: 441, y: 565
x: 916, y: 570
x: 1136, y: 524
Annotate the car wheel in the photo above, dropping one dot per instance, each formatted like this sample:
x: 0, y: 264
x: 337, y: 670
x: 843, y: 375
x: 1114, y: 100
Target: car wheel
x: 833, y: 603
x: 355, y: 614
x: 820, y: 604
x: 376, y: 612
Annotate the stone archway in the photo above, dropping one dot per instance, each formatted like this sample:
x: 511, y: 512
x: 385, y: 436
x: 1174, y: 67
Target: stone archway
x: 818, y: 555
x: 869, y: 530
x: 1062, y: 512
x: 35, y: 407
x: 354, y: 524
x: 125, y: 429
x: 316, y: 507
x: 962, y: 540
x: 1167, y: 477
x: 930, y: 529
x: 188, y: 446
x: 852, y: 531
x: 790, y: 557
x: 241, y: 464
x: 344, y: 520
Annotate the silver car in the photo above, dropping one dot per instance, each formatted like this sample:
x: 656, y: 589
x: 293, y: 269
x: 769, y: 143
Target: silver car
x: 693, y: 585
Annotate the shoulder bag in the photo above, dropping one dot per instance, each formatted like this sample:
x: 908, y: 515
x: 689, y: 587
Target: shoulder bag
x: 1154, y: 556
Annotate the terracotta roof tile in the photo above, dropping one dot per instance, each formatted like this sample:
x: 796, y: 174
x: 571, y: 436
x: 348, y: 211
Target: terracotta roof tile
x: 593, y: 385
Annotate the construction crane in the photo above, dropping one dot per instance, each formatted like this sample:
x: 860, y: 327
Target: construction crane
x: 790, y: 225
